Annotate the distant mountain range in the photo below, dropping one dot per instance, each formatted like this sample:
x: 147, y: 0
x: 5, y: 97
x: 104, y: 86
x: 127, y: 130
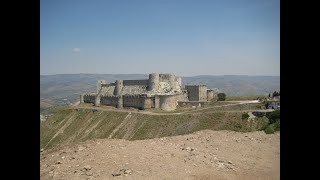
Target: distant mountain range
x: 66, y: 88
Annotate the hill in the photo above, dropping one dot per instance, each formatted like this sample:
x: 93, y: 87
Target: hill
x: 71, y: 125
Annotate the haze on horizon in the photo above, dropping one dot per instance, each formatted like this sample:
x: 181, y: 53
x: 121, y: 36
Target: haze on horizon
x: 184, y: 37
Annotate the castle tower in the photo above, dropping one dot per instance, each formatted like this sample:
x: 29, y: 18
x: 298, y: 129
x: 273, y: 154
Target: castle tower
x: 97, y: 100
x: 118, y: 87
x: 99, y: 82
x: 81, y: 99
x: 120, y: 102
x: 153, y: 83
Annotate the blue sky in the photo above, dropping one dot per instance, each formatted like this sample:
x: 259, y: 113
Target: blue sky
x: 184, y: 37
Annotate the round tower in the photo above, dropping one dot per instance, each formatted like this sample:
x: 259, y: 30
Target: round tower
x: 81, y: 98
x: 154, y: 80
x: 120, y: 102
x: 118, y: 87
x: 97, y: 100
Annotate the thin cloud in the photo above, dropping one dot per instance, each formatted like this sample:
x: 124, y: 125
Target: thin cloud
x: 76, y: 50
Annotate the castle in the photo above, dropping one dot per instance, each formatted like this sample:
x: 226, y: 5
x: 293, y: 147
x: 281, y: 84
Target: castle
x: 162, y: 91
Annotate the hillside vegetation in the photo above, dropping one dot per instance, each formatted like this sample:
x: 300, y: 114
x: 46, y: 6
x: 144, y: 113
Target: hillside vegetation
x: 76, y: 125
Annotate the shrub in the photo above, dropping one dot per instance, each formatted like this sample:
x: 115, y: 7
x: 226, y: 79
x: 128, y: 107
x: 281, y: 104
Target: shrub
x: 274, y: 116
x: 277, y: 125
x: 262, y: 123
x: 221, y: 96
x: 270, y: 129
x: 245, y: 116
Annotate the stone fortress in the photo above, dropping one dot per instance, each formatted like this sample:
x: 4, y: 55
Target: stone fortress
x: 162, y: 91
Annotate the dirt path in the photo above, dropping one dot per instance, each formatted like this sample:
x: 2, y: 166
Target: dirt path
x: 202, y: 155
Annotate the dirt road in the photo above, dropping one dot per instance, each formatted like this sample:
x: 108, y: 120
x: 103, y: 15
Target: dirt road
x: 202, y: 155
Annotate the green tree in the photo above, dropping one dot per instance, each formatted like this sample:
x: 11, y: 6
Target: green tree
x: 245, y: 116
x: 267, y: 104
x: 274, y: 116
x: 221, y: 97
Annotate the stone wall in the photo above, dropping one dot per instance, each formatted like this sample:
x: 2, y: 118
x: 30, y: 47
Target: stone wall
x: 109, y: 100
x: 193, y: 92
x: 197, y: 92
x: 143, y: 82
x: 193, y: 103
x: 137, y: 101
x: 89, y: 98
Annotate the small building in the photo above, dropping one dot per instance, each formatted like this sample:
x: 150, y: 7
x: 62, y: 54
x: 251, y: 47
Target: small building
x: 274, y: 104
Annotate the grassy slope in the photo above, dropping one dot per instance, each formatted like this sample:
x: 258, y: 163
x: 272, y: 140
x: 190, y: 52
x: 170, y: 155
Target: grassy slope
x: 71, y: 125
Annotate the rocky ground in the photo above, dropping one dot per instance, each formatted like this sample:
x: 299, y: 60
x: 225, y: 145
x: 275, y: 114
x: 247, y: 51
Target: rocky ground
x: 202, y: 155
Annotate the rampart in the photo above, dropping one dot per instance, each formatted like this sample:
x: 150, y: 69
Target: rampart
x: 138, y: 101
x: 89, y: 98
x: 192, y: 103
x: 109, y: 100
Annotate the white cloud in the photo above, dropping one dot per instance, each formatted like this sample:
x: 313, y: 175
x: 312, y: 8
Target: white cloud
x: 76, y: 50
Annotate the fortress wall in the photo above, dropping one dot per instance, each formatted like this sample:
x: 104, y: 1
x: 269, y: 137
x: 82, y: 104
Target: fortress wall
x: 168, y: 102
x: 182, y: 97
x: 137, y: 101
x: 148, y: 103
x: 109, y: 100
x: 134, y: 90
x: 143, y: 82
x: 193, y: 92
x: 108, y: 90
x: 192, y: 103
x: 197, y: 92
x: 89, y: 98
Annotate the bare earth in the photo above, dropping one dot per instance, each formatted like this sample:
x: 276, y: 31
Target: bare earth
x: 202, y: 155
